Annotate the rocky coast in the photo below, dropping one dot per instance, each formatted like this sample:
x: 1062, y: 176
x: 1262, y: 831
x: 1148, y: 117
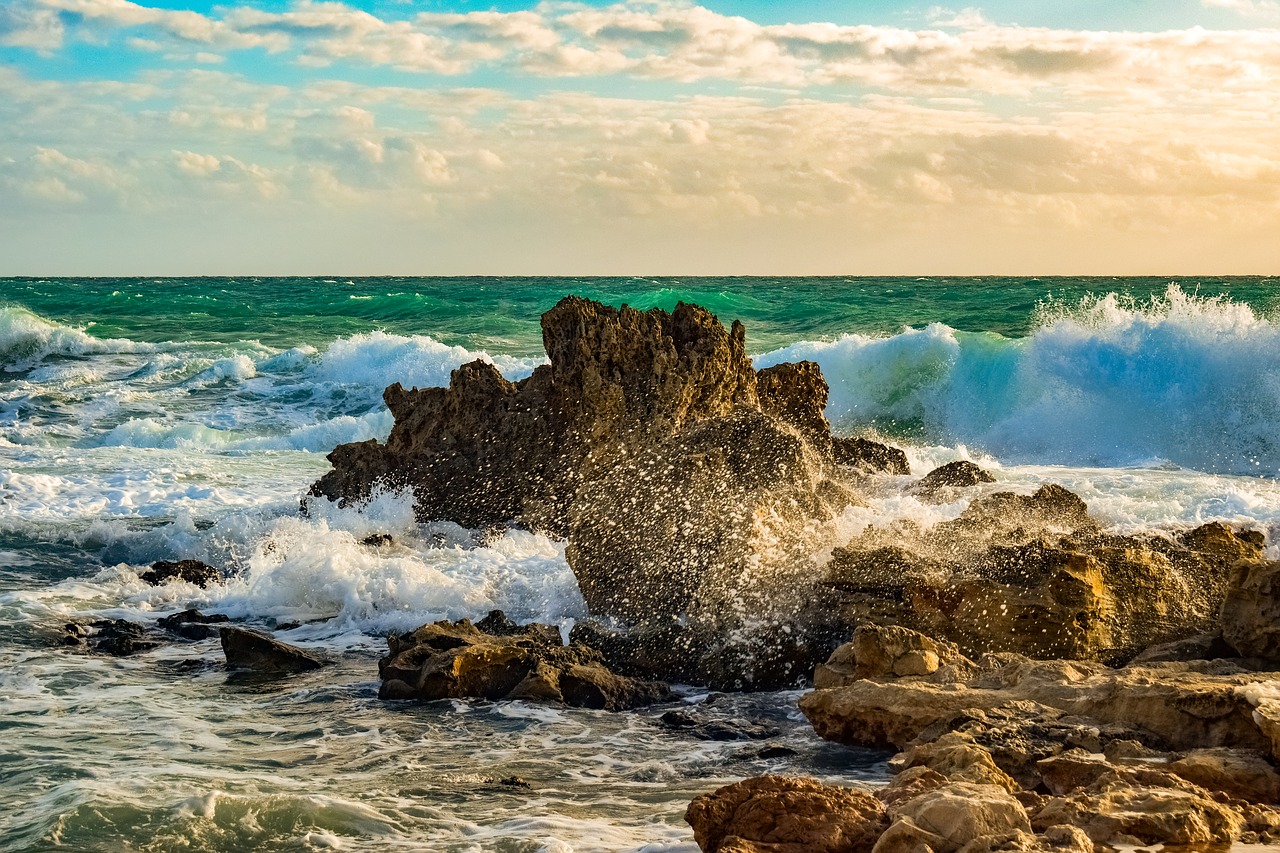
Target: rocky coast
x: 1047, y: 684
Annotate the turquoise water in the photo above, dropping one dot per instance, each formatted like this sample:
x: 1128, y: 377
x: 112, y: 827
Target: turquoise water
x: 501, y: 314
x: 146, y: 419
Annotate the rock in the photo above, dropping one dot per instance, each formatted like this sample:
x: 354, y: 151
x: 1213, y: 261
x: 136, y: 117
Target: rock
x: 779, y: 814
x: 960, y: 812
x: 887, y: 652
x: 115, y: 637
x: 693, y: 725
x: 192, y: 624
x: 378, y: 540
x: 1174, y: 703
x: 255, y: 652
x: 1237, y: 773
x: 686, y: 484
x: 457, y: 660
x: 187, y: 571
x: 945, y: 483
x: 1250, y: 614
x: 1071, y: 770
x: 1114, y: 811
x: 870, y: 456
x: 1016, y: 519
x: 1197, y: 647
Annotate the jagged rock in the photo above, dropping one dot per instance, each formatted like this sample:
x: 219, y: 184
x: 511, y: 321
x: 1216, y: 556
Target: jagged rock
x: 115, y: 637
x: 192, y: 624
x: 870, y: 456
x: 1033, y: 575
x: 378, y: 540
x: 1237, y: 773
x: 255, y: 652
x: 1251, y: 609
x: 945, y: 483
x: 457, y: 660
x: 1175, y: 703
x: 890, y: 651
x: 686, y: 483
x: 188, y: 571
x: 780, y: 814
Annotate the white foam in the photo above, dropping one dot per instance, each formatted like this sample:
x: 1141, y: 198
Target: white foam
x: 1182, y: 379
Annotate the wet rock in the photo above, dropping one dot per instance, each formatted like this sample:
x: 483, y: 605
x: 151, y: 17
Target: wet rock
x: 782, y: 814
x: 514, y: 782
x: 187, y: 571
x: 458, y: 660
x: 115, y: 637
x: 192, y: 624
x: 891, y: 651
x: 255, y: 652
x: 378, y: 540
x: 870, y: 456
x: 685, y: 483
x: 1251, y: 609
x: 696, y: 726
x: 945, y: 483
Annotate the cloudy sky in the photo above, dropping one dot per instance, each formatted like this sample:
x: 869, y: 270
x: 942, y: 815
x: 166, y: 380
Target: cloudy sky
x: 742, y: 136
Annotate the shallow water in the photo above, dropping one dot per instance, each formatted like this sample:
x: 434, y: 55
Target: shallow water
x: 144, y: 420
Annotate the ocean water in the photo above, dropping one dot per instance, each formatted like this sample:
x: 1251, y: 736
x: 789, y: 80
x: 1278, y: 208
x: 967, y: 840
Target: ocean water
x: 145, y: 419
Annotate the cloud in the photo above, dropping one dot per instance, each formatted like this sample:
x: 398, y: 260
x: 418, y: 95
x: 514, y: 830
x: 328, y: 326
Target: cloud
x: 1267, y: 10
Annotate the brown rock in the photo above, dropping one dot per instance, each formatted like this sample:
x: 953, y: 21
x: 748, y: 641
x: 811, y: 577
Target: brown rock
x: 1250, y: 614
x: 1112, y: 812
x: 1238, y: 773
x: 871, y: 456
x: 887, y: 652
x: 249, y: 650
x: 945, y: 483
x: 782, y: 814
x: 456, y: 660
x: 188, y: 571
x: 960, y: 812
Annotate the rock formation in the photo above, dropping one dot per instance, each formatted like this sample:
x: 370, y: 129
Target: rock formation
x: 460, y: 660
x: 256, y: 652
x: 1019, y: 755
x: 686, y: 483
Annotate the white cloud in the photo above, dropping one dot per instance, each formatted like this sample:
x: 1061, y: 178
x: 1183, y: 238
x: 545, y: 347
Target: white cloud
x: 1267, y: 10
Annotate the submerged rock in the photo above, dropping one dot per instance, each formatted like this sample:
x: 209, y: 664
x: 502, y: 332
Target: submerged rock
x: 188, y: 571
x: 192, y: 624
x: 458, y: 660
x: 945, y: 483
x: 255, y: 652
x: 115, y: 637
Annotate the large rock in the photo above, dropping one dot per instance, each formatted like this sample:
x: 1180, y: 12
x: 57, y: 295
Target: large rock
x: 780, y: 814
x: 255, y: 652
x: 458, y: 660
x: 188, y: 571
x: 1251, y: 609
x: 960, y: 812
x: 685, y: 482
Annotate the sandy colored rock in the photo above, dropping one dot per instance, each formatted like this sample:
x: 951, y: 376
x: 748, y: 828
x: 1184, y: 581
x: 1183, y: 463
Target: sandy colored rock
x: 889, y: 651
x: 960, y: 812
x: 782, y: 814
x: 1240, y: 774
x: 1250, y: 614
x: 1148, y: 814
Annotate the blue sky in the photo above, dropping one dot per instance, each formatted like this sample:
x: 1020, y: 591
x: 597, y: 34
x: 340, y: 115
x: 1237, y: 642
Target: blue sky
x: 1132, y: 136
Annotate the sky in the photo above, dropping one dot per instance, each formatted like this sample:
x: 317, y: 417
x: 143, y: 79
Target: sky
x: 257, y: 137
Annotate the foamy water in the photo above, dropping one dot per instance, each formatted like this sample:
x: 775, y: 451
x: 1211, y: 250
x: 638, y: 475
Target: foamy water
x: 118, y: 452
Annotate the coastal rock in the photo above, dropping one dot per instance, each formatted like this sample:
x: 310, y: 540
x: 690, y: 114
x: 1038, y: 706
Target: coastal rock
x: 694, y: 725
x: 686, y: 483
x: 869, y: 456
x: 945, y: 483
x: 780, y: 814
x: 1251, y: 609
x: 961, y: 812
x: 255, y: 652
x: 187, y: 571
x: 890, y: 651
x: 192, y: 624
x: 458, y: 660
x: 115, y: 637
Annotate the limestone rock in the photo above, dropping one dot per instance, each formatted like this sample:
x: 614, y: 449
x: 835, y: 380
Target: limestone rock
x: 250, y: 650
x: 1113, y: 810
x: 1251, y: 609
x: 960, y: 812
x: 870, y: 456
x: 890, y: 651
x: 781, y: 814
x: 456, y: 660
x: 1241, y: 774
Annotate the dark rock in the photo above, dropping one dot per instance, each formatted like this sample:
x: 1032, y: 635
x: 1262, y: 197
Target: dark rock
x: 696, y: 726
x: 192, y: 624
x: 457, y: 660
x: 514, y: 782
x: 378, y: 540
x: 250, y: 650
x: 498, y: 624
x: 188, y: 571
x: 945, y: 483
x: 686, y: 483
x: 870, y: 456
x: 119, y: 637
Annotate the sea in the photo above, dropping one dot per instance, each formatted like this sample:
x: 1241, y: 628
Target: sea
x: 144, y: 419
